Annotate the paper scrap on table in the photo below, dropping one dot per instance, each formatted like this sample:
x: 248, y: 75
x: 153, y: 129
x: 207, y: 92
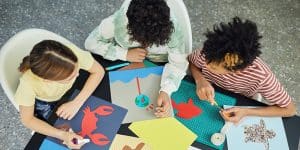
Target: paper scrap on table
x: 193, y: 148
x: 121, y: 142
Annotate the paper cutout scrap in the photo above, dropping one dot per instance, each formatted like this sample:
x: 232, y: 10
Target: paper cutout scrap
x: 133, y: 65
x: 138, y: 147
x: 186, y: 110
x: 124, y: 142
x: 193, y: 148
x: 164, y: 133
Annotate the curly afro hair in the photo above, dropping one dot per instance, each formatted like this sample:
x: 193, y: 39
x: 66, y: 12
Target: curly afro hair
x: 237, y: 38
x: 149, y: 22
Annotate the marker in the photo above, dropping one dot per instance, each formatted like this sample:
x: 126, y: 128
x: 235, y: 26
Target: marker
x: 83, y: 141
x: 116, y: 66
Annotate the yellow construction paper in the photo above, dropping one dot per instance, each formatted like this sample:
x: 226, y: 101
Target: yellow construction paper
x: 120, y: 142
x: 164, y: 134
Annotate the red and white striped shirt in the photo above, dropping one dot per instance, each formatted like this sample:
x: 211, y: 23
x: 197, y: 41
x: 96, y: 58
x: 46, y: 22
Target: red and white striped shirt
x: 256, y: 78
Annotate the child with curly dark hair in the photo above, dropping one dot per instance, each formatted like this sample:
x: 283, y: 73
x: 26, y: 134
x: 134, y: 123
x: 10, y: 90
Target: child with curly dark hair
x: 144, y: 29
x: 230, y: 59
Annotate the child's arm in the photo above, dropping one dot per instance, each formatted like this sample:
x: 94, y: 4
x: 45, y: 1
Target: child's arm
x: 204, y: 89
x: 96, y: 74
x: 274, y: 93
x: 270, y: 111
x: 174, y: 71
x: 196, y: 73
x: 69, y: 109
x: 37, y: 125
x: 101, y: 41
x: 172, y: 75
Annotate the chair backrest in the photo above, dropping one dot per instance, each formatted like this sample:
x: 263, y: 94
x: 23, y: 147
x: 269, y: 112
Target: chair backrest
x: 14, y: 50
x: 183, y: 19
x: 181, y: 14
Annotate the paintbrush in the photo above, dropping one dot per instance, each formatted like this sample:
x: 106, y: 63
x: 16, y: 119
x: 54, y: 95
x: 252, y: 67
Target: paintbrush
x: 216, y: 105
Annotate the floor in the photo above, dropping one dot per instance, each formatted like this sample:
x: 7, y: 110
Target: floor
x: 278, y: 21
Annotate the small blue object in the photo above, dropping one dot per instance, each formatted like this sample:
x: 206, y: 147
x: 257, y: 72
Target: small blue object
x: 117, y: 66
x: 142, y: 100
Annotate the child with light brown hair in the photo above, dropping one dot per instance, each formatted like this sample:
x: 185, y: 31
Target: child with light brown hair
x: 47, y: 74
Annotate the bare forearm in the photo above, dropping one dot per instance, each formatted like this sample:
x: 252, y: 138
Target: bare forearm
x: 196, y: 73
x: 42, y: 127
x: 91, y: 84
x: 89, y: 87
x: 272, y: 111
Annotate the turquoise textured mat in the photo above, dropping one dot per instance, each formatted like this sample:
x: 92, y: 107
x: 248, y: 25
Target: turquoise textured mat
x: 209, y: 121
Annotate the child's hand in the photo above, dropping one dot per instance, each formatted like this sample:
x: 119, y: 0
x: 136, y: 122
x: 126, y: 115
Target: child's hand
x: 68, y: 110
x: 136, y: 55
x: 234, y: 114
x: 205, y: 91
x: 68, y: 139
x: 163, y: 103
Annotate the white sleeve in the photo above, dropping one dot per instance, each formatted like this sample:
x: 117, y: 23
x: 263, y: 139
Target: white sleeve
x: 174, y: 72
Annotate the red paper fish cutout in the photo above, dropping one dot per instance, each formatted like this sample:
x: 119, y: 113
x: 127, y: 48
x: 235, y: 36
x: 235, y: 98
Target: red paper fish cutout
x: 186, y: 110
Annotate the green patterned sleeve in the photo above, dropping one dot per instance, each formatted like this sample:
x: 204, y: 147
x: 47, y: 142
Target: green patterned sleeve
x: 102, y: 41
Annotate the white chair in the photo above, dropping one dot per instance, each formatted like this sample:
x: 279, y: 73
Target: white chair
x: 12, y: 53
x: 181, y: 14
x: 183, y: 18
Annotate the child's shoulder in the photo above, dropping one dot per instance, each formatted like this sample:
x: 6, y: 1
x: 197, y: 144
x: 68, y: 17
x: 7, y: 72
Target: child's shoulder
x: 29, y: 76
x: 259, y: 67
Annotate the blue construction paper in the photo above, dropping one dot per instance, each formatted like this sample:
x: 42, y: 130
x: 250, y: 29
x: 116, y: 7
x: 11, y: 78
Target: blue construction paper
x: 106, y: 125
x: 209, y: 121
x: 50, y: 145
x: 128, y: 75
